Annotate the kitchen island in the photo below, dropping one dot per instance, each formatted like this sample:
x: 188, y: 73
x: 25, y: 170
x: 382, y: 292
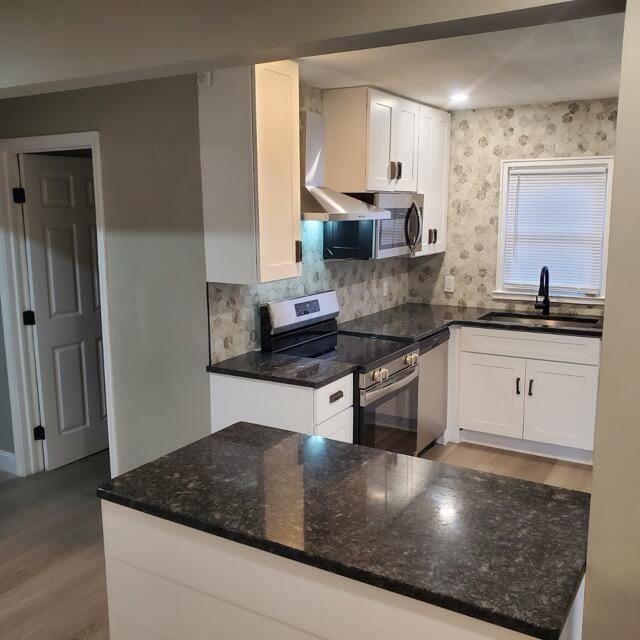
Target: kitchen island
x: 256, y: 532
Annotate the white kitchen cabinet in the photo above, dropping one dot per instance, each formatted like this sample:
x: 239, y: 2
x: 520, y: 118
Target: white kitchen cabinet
x: 371, y: 141
x: 560, y: 405
x: 541, y: 388
x: 250, y: 164
x: 327, y: 411
x: 433, y: 177
x: 491, y: 394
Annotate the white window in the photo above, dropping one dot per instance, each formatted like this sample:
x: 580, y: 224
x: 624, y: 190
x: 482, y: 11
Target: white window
x: 554, y: 213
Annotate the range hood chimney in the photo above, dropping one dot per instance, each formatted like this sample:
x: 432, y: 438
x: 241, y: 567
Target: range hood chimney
x: 319, y: 202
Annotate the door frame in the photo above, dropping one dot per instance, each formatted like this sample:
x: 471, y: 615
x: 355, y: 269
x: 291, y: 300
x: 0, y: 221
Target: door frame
x: 15, y: 295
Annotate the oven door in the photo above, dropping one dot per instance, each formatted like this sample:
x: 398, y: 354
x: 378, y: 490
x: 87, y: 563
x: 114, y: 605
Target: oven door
x: 388, y: 414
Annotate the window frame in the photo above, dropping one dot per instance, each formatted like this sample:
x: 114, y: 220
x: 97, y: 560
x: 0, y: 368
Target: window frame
x: 500, y: 293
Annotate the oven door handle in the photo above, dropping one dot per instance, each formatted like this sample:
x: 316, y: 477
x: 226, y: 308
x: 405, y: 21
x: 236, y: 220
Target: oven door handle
x: 369, y: 397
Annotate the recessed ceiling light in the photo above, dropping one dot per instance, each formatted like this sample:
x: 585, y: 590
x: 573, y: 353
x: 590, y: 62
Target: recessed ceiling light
x: 459, y: 97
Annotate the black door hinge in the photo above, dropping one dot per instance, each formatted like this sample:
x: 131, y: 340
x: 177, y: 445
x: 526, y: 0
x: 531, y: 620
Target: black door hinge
x: 28, y: 318
x: 38, y: 432
x: 19, y: 196
x: 298, y: 250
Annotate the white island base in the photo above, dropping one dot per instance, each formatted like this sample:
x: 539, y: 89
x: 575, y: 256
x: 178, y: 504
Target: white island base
x: 168, y: 581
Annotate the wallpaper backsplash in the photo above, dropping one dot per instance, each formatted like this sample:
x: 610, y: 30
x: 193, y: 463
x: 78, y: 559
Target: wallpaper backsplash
x: 480, y: 139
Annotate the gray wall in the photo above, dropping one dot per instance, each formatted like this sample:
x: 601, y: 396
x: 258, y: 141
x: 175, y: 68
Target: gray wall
x: 6, y: 431
x: 613, y: 563
x: 155, y: 251
x: 480, y: 140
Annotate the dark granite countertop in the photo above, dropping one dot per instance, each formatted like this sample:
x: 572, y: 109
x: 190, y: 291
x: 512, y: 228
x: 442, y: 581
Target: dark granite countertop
x: 506, y: 551
x: 413, y: 322
x: 277, y: 367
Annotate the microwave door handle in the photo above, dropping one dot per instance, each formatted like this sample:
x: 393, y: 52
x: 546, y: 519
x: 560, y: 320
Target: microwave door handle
x: 369, y: 397
x: 412, y: 243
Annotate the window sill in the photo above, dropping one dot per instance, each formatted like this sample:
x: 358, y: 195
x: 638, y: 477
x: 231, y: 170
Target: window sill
x: 527, y: 297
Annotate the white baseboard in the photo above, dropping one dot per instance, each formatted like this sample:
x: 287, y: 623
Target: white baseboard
x: 7, y: 462
x: 527, y: 446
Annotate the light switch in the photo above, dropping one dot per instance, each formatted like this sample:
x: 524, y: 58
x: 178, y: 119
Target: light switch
x: 449, y: 284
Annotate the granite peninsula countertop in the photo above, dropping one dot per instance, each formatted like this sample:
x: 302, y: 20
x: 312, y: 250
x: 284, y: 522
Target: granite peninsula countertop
x: 414, y: 322
x: 506, y: 551
x: 288, y: 369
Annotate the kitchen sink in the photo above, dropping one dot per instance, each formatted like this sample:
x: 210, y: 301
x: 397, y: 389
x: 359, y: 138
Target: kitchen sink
x: 537, y: 320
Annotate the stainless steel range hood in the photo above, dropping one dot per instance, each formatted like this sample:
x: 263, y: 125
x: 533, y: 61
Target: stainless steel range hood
x: 319, y: 202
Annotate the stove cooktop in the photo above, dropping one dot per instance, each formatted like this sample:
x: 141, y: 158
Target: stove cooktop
x: 360, y: 350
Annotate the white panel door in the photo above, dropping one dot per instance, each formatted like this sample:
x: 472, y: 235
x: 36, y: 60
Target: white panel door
x: 278, y: 168
x: 380, y: 149
x: 61, y: 248
x: 405, y: 142
x: 492, y: 394
x: 560, y: 403
x: 433, y: 177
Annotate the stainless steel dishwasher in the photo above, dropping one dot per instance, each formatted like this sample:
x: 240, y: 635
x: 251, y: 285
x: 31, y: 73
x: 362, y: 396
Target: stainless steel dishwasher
x: 432, y: 388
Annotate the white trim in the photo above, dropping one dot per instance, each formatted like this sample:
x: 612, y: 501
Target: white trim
x: 505, y: 165
x: 542, y: 449
x: 28, y: 453
x: 7, y: 462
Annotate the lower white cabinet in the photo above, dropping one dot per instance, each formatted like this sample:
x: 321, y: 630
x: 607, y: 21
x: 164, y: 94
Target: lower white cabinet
x: 327, y: 411
x: 491, y: 397
x: 536, y: 400
x: 560, y: 405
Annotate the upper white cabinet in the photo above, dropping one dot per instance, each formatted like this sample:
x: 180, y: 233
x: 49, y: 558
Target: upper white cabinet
x: 250, y: 162
x: 371, y: 141
x: 433, y: 177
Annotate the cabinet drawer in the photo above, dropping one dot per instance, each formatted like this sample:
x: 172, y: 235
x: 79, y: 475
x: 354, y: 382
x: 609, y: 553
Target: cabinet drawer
x: 339, y: 427
x: 529, y: 344
x: 333, y: 398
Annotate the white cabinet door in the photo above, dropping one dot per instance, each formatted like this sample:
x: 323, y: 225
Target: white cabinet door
x: 380, y: 149
x: 433, y: 177
x: 278, y: 168
x: 492, y: 394
x: 405, y: 143
x: 560, y: 403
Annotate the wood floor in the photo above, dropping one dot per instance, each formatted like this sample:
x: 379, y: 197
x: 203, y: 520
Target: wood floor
x: 516, y: 465
x: 52, y: 582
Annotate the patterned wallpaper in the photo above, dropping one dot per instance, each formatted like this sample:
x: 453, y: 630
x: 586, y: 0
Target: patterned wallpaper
x: 480, y: 139
x: 233, y: 309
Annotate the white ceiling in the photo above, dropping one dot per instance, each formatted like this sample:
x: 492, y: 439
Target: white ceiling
x: 572, y: 60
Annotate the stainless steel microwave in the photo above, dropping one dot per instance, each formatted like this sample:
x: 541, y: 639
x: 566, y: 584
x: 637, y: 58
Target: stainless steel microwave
x: 399, y: 235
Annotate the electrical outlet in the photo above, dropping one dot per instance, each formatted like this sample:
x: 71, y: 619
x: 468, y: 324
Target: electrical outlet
x: 385, y: 288
x: 449, y: 284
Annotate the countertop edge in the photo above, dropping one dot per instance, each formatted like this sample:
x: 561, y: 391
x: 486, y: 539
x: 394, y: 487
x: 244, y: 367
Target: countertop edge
x: 353, y: 573
x: 348, y: 370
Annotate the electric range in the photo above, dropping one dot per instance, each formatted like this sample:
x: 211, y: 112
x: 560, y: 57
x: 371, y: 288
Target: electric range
x: 386, y: 389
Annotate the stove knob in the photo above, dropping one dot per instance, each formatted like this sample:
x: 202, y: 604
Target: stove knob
x: 408, y: 360
x: 384, y: 374
x: 376, y: 376
x: 414, y: 359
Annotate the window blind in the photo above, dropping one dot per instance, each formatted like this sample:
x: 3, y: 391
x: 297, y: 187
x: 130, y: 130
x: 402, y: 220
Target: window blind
x: 555, y: 216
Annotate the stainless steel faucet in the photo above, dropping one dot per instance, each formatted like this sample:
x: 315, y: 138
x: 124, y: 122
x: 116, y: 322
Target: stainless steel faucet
x: 543, y: 292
